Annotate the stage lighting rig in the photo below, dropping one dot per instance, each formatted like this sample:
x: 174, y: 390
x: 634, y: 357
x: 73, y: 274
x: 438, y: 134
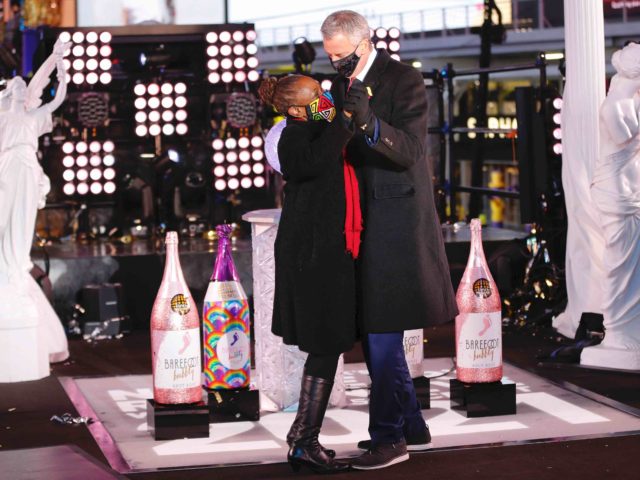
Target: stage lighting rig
x: 161, y: 109
x: 89, y: 168
x: 238, y: 163
x: 387, y: 39
x: 231, y: 56
x: 88, y: 60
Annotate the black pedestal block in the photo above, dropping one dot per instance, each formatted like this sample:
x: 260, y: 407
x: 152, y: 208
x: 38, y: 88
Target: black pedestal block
x: 233, y: 405
x: 170, y: 422
x: 422, y: 386
x: 483, y: 399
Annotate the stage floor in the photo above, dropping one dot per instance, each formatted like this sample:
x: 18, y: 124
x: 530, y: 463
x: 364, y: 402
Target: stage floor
x: 545, y: 412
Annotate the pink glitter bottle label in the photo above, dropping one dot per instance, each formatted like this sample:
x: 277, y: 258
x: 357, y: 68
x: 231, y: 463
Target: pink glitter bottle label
x: 177, y: 359
x: 479, y: 341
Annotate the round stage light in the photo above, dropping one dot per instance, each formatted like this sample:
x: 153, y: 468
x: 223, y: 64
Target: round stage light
x: 109, y: 174
x: 214, y: 77
x: 181, y: 115
x: 258, y: 168
x: 95, y: 160
x: 105, y: 50
x: 238, y: 50
x: 78, y: 78
x: 230, y: 143
x: 257, y: 155
x: 245, y: 169
x: 105, y: 78
x: 83, y: 188
x: 168, y: 129
x: 67, y: 147
x: 238, y: 36
x: 252, y: 49
x: 557, y: 118
x: 105, y: 37
x: 92, y: 37
x: 240, y: 76
x: 96, y: 188
x: 326, y: 84
x: 245, y: 182
x: 244, y: 156
x: 253, y: 76
x: 81, y: 147
x: 167, y: 102
x: 78, y: 37
x: 395, y: 56
x: 78, y: 64
x: 218, y: 157
x: 68, y: 175
x: 239, y: 63
x: 225, y: 50
x: 256, y: 141
x: 109, y: 187
x: 220, y: 185
x: 557, y: 134
x: 212, y: 50
x: 82, y: 161
x: 219, y: 171
x: 141, y: 116
x: 251, y: 36
x: 181, y: 102
x: 217, y: 144
x: 394, y: 46
x: 68, y: 161
x: 67, y: 64
x: 557, y: 103
x: 226, y: 63
x: 167, y: 116
x: 141, y: 130
x: 65, y: 37
x: 258, y: 182
x: 394, y: 32
x: 69, y: 189
x: 108, y: 146
x: 95, y: 147
x: 213, y: 64
x: 381, y: 32
x: 233, y: 183
x: 243, y: 142
x: 92, y: 64
x: 95, y: 174
x: 224, y: 36
x: 232, y: 156
x: 67, y: 78
x: 92, y: 78
x: 181, y: 128
x: 108, y: 160
x: 227, y: 77
x: 252, y: 62
x: 92, y: 51
x: 139, y: 89
x: 105, y: 64
x: 154, y: 116
x: 153, y: 89
x: 557, y: 149
x: 154, y: 102
x: 82, y: 174
x: 154, y: 130
x: 212, y: 37
x: 180, y: 88
x: 166, y: 88
x: 381, y: 44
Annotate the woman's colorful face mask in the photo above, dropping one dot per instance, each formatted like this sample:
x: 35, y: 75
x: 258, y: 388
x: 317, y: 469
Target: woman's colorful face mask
x: 322, y: 108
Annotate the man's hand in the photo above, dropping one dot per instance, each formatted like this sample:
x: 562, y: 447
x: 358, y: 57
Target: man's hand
x: 357, y: 103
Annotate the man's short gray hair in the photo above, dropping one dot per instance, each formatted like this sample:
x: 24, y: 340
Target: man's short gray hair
x: 347, y: 22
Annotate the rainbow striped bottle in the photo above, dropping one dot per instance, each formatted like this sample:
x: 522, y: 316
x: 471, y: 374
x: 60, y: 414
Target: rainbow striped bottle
x: 227, y: 345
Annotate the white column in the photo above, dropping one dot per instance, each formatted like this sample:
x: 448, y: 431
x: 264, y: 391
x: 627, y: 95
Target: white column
x: 583, y: 95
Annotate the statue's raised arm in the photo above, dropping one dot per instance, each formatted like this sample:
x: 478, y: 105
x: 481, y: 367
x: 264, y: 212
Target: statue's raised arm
x: 41, y: 79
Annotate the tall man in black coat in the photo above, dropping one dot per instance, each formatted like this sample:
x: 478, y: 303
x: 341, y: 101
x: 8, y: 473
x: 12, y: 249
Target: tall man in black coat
x: 402, y: 277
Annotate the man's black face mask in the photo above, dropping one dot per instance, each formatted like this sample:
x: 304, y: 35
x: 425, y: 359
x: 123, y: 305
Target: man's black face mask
x: 345, y: 66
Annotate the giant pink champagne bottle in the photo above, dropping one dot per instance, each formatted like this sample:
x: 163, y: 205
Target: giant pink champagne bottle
x: 479, y: 324
x: 175, y: 336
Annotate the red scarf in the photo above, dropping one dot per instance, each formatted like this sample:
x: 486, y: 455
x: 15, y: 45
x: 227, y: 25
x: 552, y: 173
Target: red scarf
x: 353, y: 218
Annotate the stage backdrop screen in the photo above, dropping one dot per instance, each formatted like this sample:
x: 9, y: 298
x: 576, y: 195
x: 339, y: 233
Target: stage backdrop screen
x: 93, y: 13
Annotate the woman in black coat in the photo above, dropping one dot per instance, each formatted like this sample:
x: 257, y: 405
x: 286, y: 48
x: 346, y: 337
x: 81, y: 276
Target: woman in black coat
x: 314, y: 306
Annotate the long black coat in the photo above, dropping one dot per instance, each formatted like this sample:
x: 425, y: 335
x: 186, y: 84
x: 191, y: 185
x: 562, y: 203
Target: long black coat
x: 315, y: 298
x: 402, y: 273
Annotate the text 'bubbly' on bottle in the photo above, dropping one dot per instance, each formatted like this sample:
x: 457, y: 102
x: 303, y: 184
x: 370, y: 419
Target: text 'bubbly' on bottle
x: 175, y: 335
x: 227, y: 344
x: 479, y: 323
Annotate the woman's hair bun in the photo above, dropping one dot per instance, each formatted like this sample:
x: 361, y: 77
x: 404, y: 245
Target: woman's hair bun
x: 267, y: 90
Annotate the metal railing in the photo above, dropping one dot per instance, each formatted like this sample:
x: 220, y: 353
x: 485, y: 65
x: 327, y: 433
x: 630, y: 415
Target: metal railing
x: 517, y: 15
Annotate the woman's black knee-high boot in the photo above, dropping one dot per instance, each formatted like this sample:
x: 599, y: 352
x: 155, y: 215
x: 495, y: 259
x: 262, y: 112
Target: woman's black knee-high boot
x: 304, y: 447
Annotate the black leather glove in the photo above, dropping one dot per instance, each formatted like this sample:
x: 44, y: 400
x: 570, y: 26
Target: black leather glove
x: 356, y: 102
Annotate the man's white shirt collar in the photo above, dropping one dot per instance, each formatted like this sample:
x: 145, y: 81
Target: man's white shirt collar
x: 365, y: 70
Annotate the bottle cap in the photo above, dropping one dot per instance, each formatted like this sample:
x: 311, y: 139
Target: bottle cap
x: 171, y: 238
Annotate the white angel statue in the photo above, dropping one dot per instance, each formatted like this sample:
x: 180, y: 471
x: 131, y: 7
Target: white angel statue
x: 615, y: 191
x: 23, y: 189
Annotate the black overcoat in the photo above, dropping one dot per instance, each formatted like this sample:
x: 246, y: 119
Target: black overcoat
x: 314, y: 304
x: 402, y: 273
